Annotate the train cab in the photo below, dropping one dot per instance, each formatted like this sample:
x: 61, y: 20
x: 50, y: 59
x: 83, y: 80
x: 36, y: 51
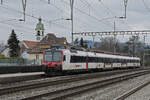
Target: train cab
x: 52, y: 60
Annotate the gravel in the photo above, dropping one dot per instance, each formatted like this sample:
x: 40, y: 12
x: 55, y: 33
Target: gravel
x: 99, y: 94
x: 143, y: 94
x: 112, y: 91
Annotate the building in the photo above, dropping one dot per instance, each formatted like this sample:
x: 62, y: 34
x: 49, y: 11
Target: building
x: 26, y: 46
x: 46, y: 43
x: 4, y: 50
x: 39, y: 30
x: 34, y: 50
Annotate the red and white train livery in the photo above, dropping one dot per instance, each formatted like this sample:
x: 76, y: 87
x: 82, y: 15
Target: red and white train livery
x: 59, y: 60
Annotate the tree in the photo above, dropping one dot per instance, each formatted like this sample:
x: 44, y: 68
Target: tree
x: 125, y: 49
x: 1, y: 44
x: 135, y: 46
x: 109, y: 44
x: 13, y: 44
x: 81, y: 42
x: 76, y: 41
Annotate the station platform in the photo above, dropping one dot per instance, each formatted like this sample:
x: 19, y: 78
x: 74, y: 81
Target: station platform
x: 16, y: 77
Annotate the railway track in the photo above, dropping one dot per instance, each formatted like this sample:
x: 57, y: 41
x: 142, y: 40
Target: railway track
x: 63, y: 93
x: 19, y: 77
x: 32, y: 85
x: 73, y: 78
x: 132, y: 91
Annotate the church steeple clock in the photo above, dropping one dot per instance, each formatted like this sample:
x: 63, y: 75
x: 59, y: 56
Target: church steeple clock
x: 39, y: 30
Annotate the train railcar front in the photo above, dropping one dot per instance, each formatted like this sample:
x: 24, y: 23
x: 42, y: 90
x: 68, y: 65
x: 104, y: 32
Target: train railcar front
x: 52, y: 61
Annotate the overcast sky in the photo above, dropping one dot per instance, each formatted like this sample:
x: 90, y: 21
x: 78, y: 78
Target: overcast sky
x: 89, y: 15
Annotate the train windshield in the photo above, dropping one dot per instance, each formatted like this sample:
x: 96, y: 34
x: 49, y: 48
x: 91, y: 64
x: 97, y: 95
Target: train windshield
x: 52, y: 56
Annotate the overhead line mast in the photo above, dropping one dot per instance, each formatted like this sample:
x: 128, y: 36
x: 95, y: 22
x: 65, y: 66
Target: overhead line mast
x: 24, y: 4
x: 48, y: 1
x: 125, y: 5
x: 1, y: 2
x: 71, y: 6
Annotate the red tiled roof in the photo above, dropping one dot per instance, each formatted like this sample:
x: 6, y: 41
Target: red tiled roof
x: 30, y: 44
x: 49, y: 40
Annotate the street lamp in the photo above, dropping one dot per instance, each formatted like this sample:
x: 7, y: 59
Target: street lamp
x: 11, y: 20
x: 21, y: 20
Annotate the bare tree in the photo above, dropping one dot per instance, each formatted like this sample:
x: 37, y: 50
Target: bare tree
x: 135, y: 46
x: 2, y: 44
x: 108, y: 44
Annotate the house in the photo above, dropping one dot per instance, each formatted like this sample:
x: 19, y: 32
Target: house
x: 26, y: 46
x: 4, y: 50
x: 34, y: 50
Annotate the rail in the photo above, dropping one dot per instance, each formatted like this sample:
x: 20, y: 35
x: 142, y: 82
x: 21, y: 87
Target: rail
x: 63, y: 93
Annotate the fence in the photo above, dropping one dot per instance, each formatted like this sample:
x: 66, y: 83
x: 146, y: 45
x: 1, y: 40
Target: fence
x: 20, y: 69
x: 18, y: 61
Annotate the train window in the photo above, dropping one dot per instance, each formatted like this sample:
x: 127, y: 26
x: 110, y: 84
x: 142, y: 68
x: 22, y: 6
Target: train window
x: 78, y: 59
x: 128, y: 61
x: 116, y: 60
x: 89, y: 59
x: 64, y: 58
x: 92, y: 59
x: 98, y: 59
x: 101, y: 59
x: 111, y: 60
x: 125, y: 60
x: 106, y: 60
x: 72, y: 59
x: 120, y: 60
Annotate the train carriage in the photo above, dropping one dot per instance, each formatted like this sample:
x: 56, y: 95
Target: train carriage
x: 60, y: 60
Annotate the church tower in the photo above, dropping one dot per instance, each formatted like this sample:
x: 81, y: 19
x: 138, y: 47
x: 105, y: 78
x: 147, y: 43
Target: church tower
x: 39, y: 30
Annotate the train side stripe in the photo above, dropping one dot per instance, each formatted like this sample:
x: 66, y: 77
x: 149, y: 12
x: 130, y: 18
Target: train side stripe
x: 87, y: 66
x: 104, y: 66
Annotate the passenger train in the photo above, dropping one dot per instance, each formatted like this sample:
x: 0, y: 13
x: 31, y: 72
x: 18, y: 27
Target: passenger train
x: 62, y: 60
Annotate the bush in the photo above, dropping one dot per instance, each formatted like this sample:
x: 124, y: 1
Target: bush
x: 2, y: 56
